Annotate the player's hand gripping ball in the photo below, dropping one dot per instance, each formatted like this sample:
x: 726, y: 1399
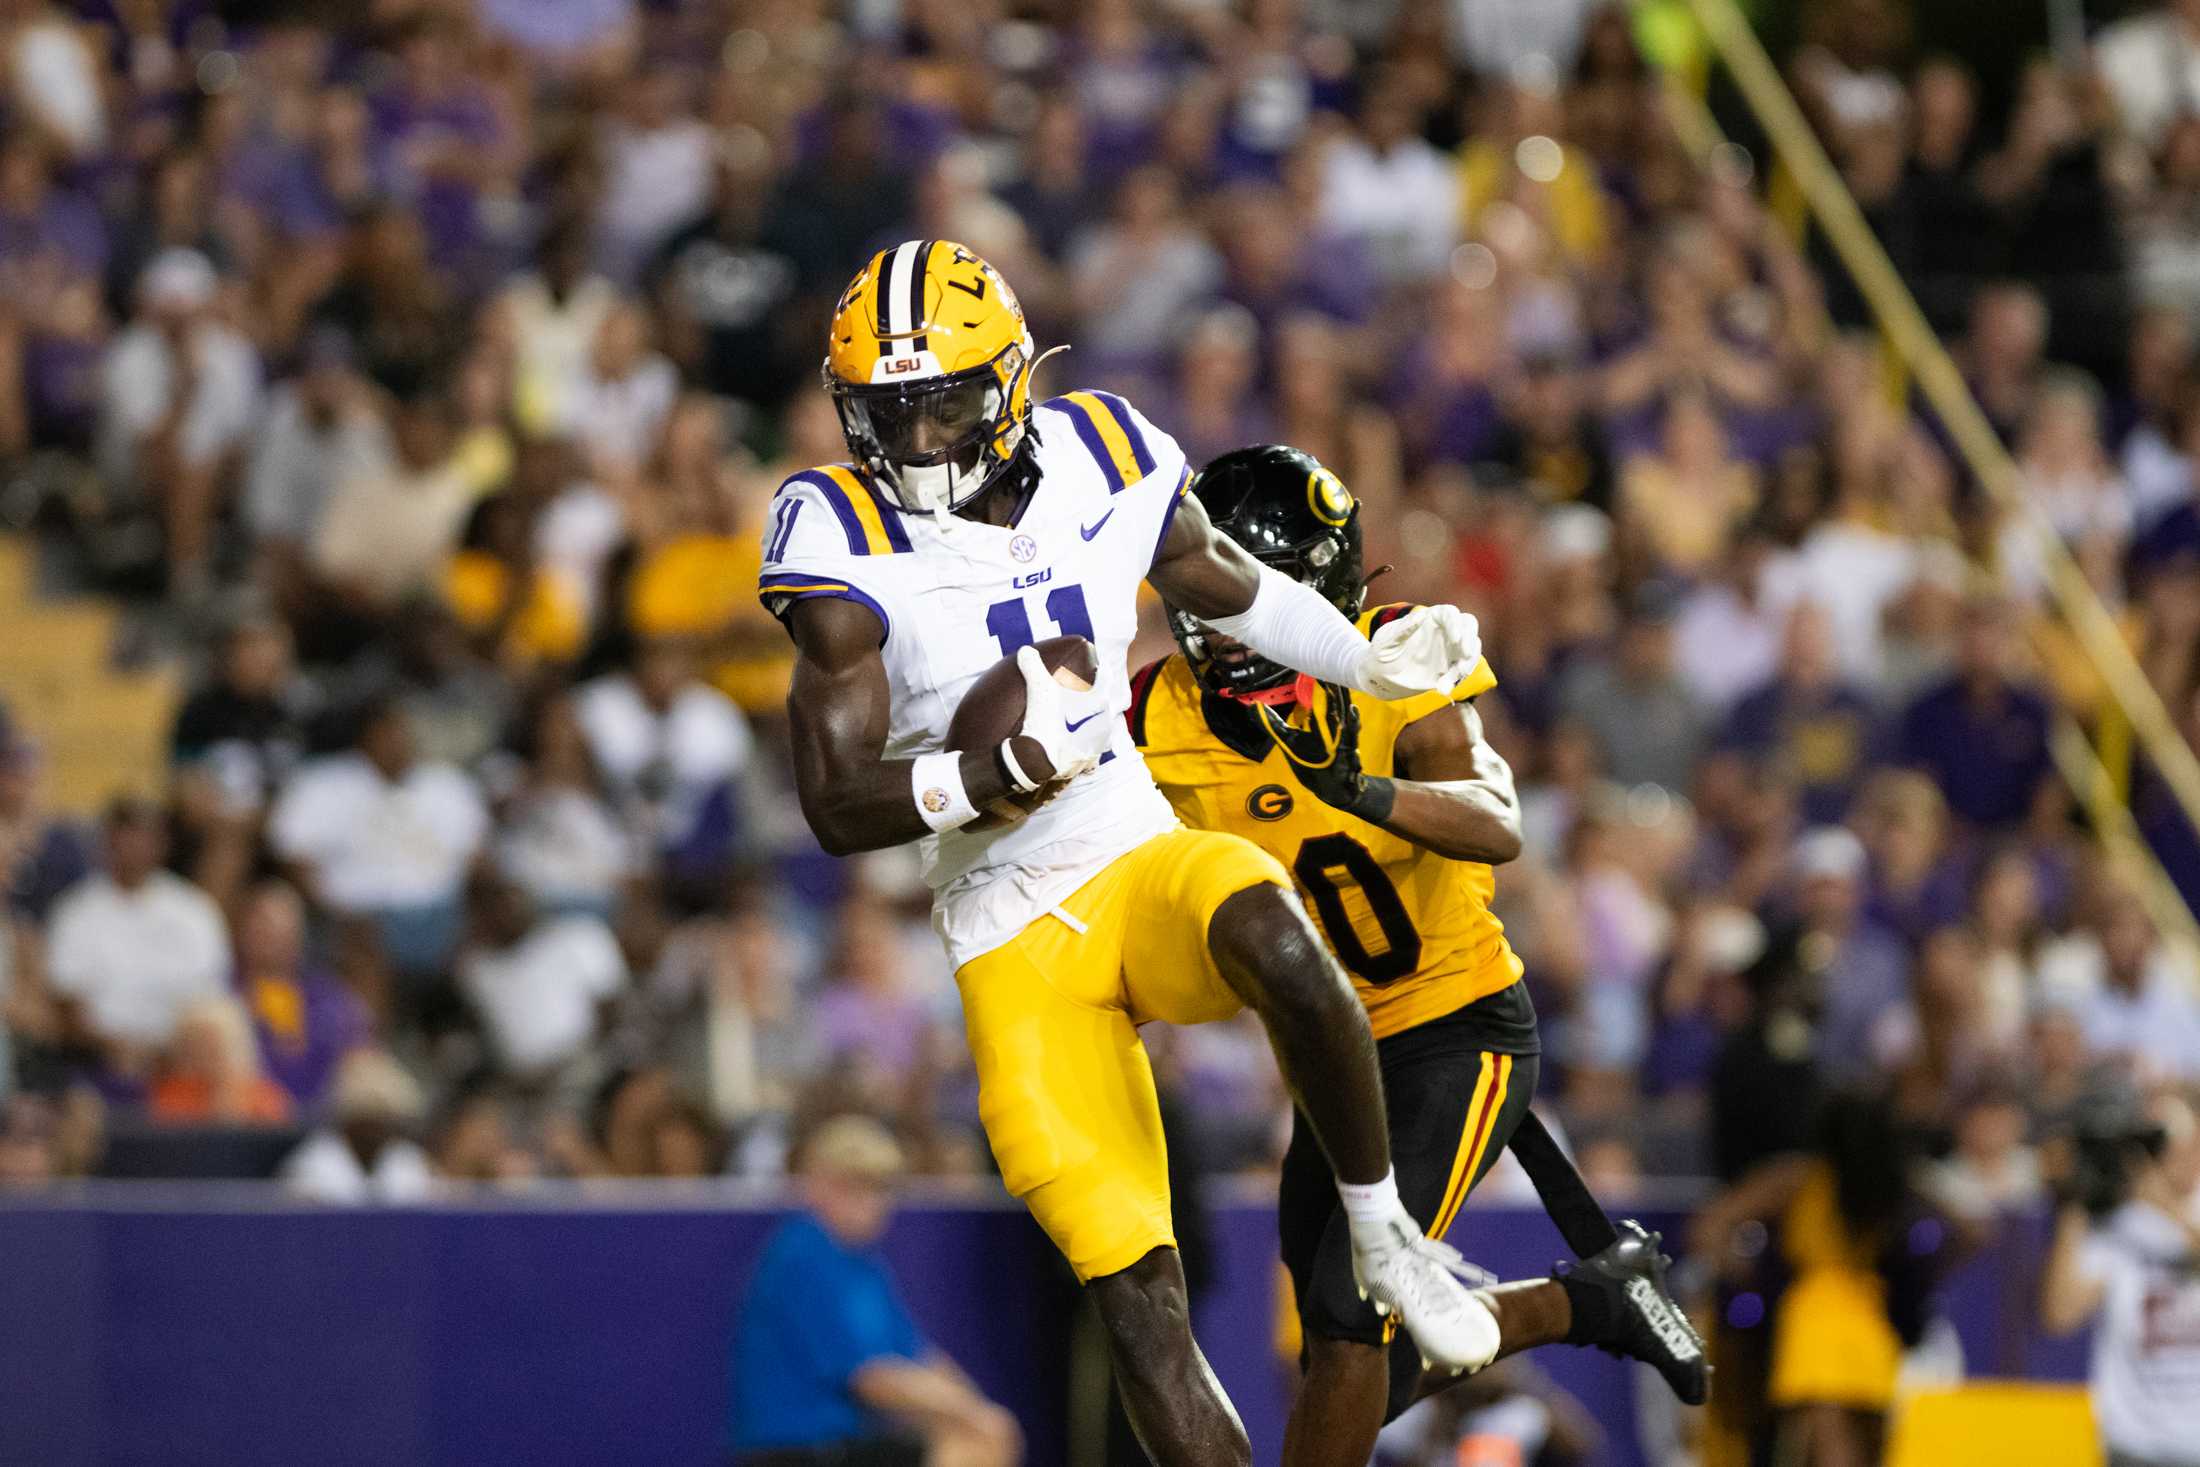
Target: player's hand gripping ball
x: 1001, y: 704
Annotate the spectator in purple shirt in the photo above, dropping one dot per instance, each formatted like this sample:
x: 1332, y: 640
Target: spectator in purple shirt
x: 442, y: 141
x: 1920, y: 879
x: 597, y: 36
x: 1054, y: 194
x: 45, y: 232
x: 1216, y: 408
x: 306, y: 1019
x: 868, y: 1009
x: 1277, y: 263
x: 1122, y: 76
x: 1808, y: 718
x: 1860, y: 969
x: 1446, y: 391
x: 41, y: 854
x: 1980, y: 734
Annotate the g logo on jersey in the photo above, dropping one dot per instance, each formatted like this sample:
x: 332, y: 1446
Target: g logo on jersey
x: 1328, y: 498
x: 1023, y: 548
x: 1269, y: 802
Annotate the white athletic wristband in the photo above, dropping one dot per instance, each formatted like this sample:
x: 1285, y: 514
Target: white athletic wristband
x: 1295, y: 626
x: 1024, y: 783
x: 936, y: 782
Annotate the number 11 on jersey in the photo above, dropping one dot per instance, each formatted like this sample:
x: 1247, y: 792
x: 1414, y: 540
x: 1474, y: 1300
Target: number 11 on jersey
x: 1010, y: 621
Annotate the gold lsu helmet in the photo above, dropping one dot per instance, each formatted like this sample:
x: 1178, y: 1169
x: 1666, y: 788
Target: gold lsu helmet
x: 929, y: 364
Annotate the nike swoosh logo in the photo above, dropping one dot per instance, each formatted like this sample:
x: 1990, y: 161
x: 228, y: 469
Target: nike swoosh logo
x: 1089, y: 532
x: 1080, y: 723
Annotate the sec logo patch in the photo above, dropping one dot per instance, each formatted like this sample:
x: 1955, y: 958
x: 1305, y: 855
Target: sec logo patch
x: 1023, y: 547
x: 1269, y: 802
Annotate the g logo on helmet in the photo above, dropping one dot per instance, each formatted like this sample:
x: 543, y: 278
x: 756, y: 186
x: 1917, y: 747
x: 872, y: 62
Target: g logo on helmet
x: 1328, y: 498
x: 1269, y: 802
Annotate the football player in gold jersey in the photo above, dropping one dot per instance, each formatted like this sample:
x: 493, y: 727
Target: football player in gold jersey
x: 1390, y: 818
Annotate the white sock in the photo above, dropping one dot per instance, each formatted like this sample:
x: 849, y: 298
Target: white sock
x: 1371, y: 1209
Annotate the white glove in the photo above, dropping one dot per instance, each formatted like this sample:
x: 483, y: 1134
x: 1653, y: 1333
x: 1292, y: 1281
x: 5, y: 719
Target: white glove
x: 1431, y: 649
x: 1073, y: 727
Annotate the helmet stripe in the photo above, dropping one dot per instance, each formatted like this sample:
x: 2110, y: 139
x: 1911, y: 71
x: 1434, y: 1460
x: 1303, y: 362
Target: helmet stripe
x: 916, y: 296
x: 895, y: 319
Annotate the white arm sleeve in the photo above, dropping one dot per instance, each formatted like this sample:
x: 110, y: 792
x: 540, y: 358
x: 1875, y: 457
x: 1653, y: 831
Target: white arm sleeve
x: 1294, y: 625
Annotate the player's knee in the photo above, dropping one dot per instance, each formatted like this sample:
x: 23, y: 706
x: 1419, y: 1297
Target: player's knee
x: 1264, y: 943
x: 1337, y: 1364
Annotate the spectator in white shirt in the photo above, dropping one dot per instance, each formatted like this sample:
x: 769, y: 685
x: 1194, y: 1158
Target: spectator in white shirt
x: 1390, y: 188
x: 658, y: 158
x: 180, y: 390
x: 1135, y: 277
x: 542, y: 988
x: 672, y: 749
x: 375, y: 832
x: 622, y: 398
x: 559, y: 838
x: 321, y: 430
x: 2134, y: 999
x: 2151, y: 64
x: 130, y: 948
x: 363, y: 1155
x: 549, y: 318
x: 2132, y: 1273
x: 388, y: 525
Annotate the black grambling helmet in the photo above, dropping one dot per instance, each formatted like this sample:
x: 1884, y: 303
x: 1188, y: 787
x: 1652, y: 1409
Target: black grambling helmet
x: 1291, y: 514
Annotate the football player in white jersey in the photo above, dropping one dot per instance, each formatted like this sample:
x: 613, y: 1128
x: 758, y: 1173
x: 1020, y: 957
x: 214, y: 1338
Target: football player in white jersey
x: 970, y: 523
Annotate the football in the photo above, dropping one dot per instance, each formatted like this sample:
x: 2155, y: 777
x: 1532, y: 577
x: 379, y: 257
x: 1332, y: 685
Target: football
x: 993, y: 709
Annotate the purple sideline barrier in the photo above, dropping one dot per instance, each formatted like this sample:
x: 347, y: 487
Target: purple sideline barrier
x: 144, y: 1323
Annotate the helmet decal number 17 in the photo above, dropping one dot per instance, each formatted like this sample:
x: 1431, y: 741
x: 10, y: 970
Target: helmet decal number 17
x: 1010, y: 621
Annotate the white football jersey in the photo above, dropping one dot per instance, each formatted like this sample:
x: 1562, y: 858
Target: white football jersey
x: 956, y: 597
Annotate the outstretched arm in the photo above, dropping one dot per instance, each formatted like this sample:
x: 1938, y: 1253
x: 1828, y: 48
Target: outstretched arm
x: 1204, y: 572
x: 2070, y: 1293
x: 838, y: 710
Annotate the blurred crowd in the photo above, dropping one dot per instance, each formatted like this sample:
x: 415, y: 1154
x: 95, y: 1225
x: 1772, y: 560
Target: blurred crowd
x: 419, y: 370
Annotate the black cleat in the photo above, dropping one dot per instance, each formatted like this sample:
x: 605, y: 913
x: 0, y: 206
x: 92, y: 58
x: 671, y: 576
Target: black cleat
x: 1644, y: 1322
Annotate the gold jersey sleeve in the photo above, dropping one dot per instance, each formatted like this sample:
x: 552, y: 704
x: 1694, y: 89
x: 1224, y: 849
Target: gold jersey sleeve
x: 1414, y: 929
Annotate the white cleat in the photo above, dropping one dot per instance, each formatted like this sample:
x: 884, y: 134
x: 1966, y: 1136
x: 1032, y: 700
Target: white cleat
x: 1431, y: 1290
